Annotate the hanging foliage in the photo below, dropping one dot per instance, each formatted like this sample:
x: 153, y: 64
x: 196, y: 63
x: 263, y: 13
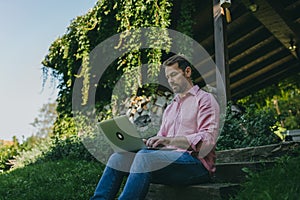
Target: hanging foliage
x: 133, y: 15
x: 185, y: 25
x: 70, y: 52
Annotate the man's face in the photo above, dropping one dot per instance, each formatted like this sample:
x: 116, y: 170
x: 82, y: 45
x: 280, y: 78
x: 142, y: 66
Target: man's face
x: 177, y: 79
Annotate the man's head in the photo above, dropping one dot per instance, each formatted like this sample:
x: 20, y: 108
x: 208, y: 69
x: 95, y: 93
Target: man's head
x: 183, y: 63
x: 178, y: 72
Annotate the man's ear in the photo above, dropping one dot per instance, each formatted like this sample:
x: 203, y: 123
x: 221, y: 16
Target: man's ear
x: 188, y: 72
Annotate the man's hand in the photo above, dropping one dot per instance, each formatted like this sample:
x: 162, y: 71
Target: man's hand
x: 158, y: 141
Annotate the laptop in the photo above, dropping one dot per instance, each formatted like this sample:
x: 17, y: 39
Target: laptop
x: 122, y: 135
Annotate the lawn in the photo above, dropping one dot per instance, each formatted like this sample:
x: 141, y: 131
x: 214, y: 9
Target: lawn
x: 61, y: 179
x: 77, y: 179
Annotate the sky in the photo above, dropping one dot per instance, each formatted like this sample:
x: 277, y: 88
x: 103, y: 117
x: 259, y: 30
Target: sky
x: 27, y: 29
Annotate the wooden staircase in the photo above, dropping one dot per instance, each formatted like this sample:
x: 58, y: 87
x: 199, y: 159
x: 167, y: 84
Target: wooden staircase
x: 209, y: 191
x: 231, y: 165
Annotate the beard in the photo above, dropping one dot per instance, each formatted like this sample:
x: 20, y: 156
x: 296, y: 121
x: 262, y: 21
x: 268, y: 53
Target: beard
x: 177, y: 88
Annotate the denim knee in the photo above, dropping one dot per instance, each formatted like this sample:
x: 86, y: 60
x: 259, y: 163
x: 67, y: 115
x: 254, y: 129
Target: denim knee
x: 121, y: 161
x: 145, y: 161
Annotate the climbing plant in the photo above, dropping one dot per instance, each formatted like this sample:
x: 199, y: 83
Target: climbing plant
x: 134, y: 15
x: 185, y: 25
x: 68, y: 57
x: 71, y: 51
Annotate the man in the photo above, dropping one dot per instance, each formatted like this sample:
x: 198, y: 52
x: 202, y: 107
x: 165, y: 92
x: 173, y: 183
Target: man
x: 189, y: 124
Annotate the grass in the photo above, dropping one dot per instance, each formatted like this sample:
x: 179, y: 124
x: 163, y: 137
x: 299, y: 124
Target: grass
x: 62, y: 179
x: 76, y: 179
x: 280, y: 182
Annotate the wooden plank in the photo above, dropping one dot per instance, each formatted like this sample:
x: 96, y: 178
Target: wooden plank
x: 221, y: 52
x: 209, y: 191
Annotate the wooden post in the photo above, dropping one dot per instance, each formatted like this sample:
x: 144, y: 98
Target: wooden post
x: 221, y: 52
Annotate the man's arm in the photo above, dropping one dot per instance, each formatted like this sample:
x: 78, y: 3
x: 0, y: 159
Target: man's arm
x: 158, y: 141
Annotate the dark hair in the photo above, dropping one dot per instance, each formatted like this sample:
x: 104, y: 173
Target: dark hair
x: 183, y: 63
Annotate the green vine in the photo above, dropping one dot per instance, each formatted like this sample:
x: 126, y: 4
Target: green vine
x: 70, y: 52
x: 135, y: 14
x: 185, y: 25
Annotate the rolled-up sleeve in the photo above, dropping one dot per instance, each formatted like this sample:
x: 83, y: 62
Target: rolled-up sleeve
x: 204, y: 139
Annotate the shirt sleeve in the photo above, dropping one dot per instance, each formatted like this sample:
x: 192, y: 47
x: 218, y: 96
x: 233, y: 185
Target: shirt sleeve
x: 204, y: 140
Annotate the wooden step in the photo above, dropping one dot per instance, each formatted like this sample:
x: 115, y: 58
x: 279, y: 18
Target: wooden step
x: 258, y: 153
x: 235, y: 173
x: 209, y: 191
x: 229, y: 173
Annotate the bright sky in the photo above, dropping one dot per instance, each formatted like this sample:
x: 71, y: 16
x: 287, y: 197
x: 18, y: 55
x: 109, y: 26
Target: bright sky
x: 27, y: 29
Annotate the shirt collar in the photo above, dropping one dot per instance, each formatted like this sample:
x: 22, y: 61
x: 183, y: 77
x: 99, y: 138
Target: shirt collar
x: 193, y: 91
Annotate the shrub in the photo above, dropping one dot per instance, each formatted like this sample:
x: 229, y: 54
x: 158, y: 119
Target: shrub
x: 70, y: 147
x: 7, y: 153
x: 279, y: 182
x: 254, y: 127
x: 29, y: 156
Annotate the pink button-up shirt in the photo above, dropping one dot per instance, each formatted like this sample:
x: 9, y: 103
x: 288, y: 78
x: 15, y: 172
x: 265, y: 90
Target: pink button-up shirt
x: 195, y: 116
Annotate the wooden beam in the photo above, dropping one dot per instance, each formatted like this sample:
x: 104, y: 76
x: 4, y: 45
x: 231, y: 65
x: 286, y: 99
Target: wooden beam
x: 260, y: 72
x: 273, y: 22
x: 221, y: 52
x: 240, y: 92
x: 287, y: 18
x: 252, y: 49
x: 245, y: 37
x: 254, y: 62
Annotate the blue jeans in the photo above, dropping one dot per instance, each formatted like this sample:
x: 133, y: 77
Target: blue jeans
x: 145, y: 167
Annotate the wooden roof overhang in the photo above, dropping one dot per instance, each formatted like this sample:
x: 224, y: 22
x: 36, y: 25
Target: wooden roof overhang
x: 257, y: 44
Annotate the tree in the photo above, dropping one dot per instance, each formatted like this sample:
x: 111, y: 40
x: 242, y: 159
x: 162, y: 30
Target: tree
x: 44, y: 122
x: 8, y: 152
